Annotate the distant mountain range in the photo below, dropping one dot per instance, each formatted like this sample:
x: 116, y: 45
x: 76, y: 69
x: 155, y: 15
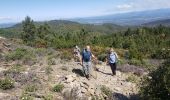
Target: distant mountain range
x: 140, y: 18
x: 131, y: 18
x: 65, y: 26
x: 6, y: 25
x: 165, y: 22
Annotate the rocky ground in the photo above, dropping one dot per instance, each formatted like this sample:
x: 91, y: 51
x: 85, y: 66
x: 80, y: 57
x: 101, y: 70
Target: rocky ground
x: 49, y: 70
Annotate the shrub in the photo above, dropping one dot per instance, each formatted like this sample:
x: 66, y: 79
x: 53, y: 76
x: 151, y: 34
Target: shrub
x: 135, y: 62
x: 97, y: 50
x: 132, y: 78
x: 15, y: 69
x: 157, y: 85
x: 26, y: 97
x: 66, y: 55
x: 17, y: 54
x: 21, y: 54
x: 31, y: 88
x: 6, y: 83
x: 107, y: 92
x: 51, y: 62
x: 102, y: 57
x: 48, y: 97
x: 58, y: 88
x: 48, y: 70
x: 40, y: 51
x: 121, y: 62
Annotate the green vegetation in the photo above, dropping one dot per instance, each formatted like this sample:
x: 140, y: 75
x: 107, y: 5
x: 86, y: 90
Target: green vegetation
x: 58, y: 88
x: 157, y: 85
x: 31, y: 88
x: 48, y: 97
x: 152, y: 41
x: 107, y: 92
x: 6, y: 83
x: 140, y: 42
x: 48, y: 70
x: 15, y: 69
x: 66, y: 55
x: 132, y: 78
x: 20, y: 54
x: 26, y: 97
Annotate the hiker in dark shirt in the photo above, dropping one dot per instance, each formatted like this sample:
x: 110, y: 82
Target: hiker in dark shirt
x: 87, y: 61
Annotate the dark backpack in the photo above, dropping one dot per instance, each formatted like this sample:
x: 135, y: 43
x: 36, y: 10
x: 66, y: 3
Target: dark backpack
x: 86, y: 56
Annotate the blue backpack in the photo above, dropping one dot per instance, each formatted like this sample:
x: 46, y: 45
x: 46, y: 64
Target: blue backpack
x: 86, y: 56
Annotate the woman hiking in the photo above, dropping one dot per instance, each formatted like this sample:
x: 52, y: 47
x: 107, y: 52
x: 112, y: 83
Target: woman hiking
x: 112, y: 59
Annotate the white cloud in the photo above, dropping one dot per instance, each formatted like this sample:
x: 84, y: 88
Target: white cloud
x: 124, y: 6
x: 5, y: 18
x: 150, y: 4
x: 138, y: 5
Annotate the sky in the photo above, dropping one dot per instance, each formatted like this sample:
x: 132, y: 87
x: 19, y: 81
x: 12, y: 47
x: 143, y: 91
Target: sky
x: 16, y: 10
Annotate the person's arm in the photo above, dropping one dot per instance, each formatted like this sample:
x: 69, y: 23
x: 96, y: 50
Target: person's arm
x: 93, y: 56
x: 116, y: 55
x: 82, y: 59
x: 107, y: 61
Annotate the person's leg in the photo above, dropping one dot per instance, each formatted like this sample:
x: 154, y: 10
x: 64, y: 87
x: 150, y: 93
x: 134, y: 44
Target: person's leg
x: 88, y: 69
x: 85, y: 68
x: 114, y: 68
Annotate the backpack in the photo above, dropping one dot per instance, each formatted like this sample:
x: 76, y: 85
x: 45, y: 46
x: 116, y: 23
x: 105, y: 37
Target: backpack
x: 86, y: 56
x: 116, y: 59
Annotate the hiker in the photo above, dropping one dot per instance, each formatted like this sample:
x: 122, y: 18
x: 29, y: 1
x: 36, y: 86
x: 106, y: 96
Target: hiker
x: 77, y: 55
x: 87, y: 61
x: 112, y: 59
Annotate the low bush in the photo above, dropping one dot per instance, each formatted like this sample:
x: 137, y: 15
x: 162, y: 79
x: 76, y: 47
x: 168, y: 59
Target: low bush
x: 157, y: 85
x: 26, y: 97
x: 31, y: 88
x: 48, y: 70
x: 97, y: 50
x: 121, y: 61
x: 132, y: 78
x: 15, y: 69
x: 102, y: 57
x: 58, y: 88
x: 135, y: 62
x: 41, y: 51
x: 18, y: 54
x: 21, y: 54
x: 66, y: 55
x: 51, y: 62
x: 107, y: 92
x: 6, y: 83
x: 48, y: 97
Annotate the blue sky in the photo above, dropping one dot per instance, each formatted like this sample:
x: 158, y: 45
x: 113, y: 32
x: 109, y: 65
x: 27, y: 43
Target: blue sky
x: 16, y: 10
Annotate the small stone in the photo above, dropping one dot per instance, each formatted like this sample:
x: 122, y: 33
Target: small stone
x: 83, y: 90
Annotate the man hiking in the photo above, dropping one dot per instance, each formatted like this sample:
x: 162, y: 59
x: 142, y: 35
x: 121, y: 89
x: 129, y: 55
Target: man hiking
x: 112, y: 59
x: 87, y: 61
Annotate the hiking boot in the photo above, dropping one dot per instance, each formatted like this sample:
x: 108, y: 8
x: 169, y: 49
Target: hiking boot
x: 87, y: 76
x: 114, y: 74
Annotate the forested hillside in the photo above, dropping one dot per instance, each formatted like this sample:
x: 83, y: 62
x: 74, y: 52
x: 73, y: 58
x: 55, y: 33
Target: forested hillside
x: 140, y: 42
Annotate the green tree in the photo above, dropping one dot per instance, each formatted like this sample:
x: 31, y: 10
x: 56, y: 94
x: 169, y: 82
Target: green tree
x: 29, y: 31
x: 157, y: 87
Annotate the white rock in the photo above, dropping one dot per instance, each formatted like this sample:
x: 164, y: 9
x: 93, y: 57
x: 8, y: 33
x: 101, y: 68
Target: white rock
x: 118, y: 73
